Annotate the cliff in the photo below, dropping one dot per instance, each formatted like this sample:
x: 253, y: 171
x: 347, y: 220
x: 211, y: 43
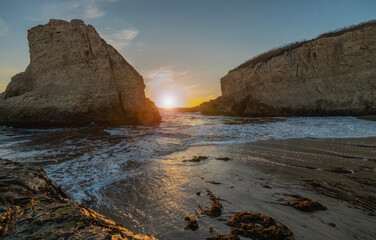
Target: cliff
x: 333, y: 74
x: 75, y: 78
x: 34, y: 207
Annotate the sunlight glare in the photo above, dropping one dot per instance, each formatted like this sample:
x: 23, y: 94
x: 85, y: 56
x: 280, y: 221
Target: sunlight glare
x: 168, y: 102
x: 170, y: 98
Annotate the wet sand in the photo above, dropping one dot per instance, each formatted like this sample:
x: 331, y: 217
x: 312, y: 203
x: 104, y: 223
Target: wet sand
x: 256, y: 178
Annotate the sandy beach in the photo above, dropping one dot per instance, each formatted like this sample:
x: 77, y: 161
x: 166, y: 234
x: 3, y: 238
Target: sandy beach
x: 256, y: 178
x: 211, y: 168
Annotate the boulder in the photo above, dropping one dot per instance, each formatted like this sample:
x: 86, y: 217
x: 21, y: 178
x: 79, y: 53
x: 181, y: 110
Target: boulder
x: 75, y: 78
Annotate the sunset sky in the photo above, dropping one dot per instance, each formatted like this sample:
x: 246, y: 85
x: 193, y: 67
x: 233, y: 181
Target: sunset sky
x: 182, y: 48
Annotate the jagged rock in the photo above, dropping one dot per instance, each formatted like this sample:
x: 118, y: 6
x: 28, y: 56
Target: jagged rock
x: 75, y: 78
x: 333, y: 74
x: 34, y: 207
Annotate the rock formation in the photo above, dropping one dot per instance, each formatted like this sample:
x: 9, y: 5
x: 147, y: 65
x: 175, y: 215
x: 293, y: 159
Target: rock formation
x: 333, y: 74
x: 75, y: 78
x: 34, y: 207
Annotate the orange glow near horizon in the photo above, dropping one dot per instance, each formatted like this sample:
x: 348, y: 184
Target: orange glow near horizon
x: 171, y: 102
x: 178, y: 98
x: 170, y: 88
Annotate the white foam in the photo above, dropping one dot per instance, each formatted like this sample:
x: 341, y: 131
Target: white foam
x: 84, y: 161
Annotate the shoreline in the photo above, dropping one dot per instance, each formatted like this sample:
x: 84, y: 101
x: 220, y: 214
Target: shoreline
x: 255, y: 178
x: 251, y: 177
x: 34, y: 207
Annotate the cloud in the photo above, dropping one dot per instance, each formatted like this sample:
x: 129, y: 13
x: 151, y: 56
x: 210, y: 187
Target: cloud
x: 120, y: 39
x: 92, y: 11
x: 89, y: 9
x: 191, y: 86
x: 107, y: 1
x: 85, y: 9
x: 160, y: 76
x: 170, y: 88
x: 125, y: 34
x: 3, y: 28
x: 37, y: 19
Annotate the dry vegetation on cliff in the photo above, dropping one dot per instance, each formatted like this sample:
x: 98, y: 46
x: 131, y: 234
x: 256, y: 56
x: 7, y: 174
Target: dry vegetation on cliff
x: 265, y: 56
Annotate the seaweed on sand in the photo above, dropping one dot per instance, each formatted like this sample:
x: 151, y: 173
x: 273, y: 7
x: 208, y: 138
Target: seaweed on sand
x: 258, y: 227
x: 192, y: 223
x: 196, y: 159
x: 216, y: 208
x: 304, y: 204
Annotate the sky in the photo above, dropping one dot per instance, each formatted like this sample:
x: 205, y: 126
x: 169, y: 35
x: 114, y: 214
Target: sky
x: 181, y: 48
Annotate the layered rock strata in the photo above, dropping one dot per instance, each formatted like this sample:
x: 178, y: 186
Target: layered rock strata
x: 333, y: 74
x: 75, y: 78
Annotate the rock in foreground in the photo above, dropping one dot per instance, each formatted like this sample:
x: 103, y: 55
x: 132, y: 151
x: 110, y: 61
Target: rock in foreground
x: 333, y: 74
x: 75, y: 78
x: 34, y: 207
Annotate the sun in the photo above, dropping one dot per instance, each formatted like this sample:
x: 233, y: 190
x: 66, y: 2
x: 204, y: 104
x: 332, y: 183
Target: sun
x: 168, y: 102
x: 169, y: 98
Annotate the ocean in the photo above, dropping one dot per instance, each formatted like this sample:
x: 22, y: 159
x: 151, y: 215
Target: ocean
x: 85, y: 160
x: 100, y: 167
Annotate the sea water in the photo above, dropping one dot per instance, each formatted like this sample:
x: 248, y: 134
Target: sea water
x: 86, y: 160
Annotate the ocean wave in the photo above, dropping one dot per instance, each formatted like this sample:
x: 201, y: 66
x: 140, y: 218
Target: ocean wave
x: 85, y: 160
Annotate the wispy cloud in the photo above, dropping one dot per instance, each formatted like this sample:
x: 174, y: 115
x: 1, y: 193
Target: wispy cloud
x: 120, y: 39
x: 37, y: 19
x: 171, y: 88
x: 191, y: 86
x: 92, y: 11
x: 3, y: 28
x: 155, y: 78
x: 86, y: 9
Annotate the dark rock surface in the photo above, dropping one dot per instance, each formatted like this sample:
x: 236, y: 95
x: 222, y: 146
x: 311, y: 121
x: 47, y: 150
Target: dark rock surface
x: 34, y: 207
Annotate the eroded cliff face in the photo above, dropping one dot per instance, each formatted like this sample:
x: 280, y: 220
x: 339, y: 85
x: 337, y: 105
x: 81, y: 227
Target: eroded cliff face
x: 34, y: 207
x: 75, y: 78
x: 334, y: 74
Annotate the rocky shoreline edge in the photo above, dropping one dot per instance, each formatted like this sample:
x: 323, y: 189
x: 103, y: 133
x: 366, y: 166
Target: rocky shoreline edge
x: 32, y: 206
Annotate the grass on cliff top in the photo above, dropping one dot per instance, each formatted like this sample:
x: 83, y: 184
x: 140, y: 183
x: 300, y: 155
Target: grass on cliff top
x: 263, y: 57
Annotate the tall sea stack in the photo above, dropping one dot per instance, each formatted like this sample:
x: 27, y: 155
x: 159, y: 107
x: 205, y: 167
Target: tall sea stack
x: 75, y: 78
x: 334, y: 74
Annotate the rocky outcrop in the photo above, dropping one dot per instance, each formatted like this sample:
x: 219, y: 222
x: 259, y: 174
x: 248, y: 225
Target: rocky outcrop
x: 34, y: 207
x: 75, y: 78
x: 333, y: 74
